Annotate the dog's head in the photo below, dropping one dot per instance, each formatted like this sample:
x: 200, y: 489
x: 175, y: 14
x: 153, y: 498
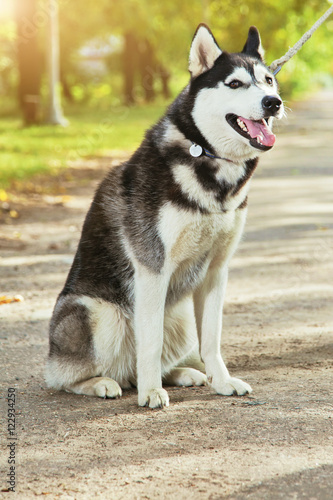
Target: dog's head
x: 235, y: 96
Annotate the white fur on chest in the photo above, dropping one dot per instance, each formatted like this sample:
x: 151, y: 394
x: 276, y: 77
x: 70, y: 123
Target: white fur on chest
x: 187, y: 236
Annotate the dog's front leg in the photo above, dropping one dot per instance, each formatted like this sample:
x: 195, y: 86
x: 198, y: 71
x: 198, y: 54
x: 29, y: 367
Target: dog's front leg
x: 150, y: 294
x: 208, y: 304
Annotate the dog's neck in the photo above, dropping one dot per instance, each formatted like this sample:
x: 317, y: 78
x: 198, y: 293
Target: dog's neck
x: 196, y: 150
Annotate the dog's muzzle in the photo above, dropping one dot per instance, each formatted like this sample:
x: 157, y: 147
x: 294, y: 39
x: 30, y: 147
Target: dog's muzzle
x: 271, y: 105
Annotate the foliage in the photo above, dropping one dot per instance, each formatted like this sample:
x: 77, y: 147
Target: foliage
x: 25, y: 152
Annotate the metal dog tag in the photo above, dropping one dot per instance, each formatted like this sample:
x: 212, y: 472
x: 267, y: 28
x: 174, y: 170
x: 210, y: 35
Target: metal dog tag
x: 195, y: 150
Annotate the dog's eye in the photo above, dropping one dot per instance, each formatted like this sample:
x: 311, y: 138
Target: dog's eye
x: 269, y: 80
x: 235, y: 84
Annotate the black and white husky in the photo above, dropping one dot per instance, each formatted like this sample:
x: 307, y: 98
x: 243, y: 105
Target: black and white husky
x: 145, y: 292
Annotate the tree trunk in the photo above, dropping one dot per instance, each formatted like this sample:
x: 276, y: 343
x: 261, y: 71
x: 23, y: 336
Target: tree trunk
x: 66, y: 88
x: 129, y: 65
x: 147, y: 69
x: 165, y: 77
x: 54, y: 115
x: 29, y: 60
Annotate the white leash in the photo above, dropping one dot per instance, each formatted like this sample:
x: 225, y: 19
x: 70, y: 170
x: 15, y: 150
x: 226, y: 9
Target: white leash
x: 276, y: 65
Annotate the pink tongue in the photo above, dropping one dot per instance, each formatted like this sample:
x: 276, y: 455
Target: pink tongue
x: 260, y: 129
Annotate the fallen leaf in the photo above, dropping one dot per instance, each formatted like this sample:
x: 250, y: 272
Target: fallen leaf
x: 9, y: 300
x: 3, y: 195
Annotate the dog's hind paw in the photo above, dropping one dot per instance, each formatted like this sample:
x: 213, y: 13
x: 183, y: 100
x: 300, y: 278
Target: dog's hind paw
x: 233, y: 386
x: 103, y: 387
x: 155, y: 398
x: 185, y: 377
x: 107, y: 388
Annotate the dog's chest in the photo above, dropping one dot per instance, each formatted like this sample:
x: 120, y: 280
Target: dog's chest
x: 194, y: 242
x: 188, y: 237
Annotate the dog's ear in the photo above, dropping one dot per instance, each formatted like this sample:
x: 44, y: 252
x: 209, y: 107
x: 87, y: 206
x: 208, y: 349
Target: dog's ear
x: 204, y: 51
x: 253, y: 45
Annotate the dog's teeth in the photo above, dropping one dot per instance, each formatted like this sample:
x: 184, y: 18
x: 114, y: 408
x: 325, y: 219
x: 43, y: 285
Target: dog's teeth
x: 242, y: 125
x: 259, y: 140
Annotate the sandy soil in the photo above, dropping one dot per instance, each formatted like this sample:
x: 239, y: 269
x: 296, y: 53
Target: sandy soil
x: 276, y: 443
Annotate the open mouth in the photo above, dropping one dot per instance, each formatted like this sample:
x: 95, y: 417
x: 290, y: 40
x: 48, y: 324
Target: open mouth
x: 257, y: 132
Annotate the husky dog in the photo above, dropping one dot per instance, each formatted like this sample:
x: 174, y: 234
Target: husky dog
x: 146, y: 288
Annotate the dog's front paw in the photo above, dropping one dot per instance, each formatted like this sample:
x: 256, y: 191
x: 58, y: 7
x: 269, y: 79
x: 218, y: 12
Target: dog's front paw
x: 232, y: 386
x: 155, y: 398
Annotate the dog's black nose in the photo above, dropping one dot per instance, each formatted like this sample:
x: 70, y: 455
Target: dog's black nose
x: 271, y: 104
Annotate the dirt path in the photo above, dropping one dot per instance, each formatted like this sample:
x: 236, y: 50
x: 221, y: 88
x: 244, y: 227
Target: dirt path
x: 276, y: 444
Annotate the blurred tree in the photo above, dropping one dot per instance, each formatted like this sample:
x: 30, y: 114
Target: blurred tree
x: 140, y: 24
x: 73, y: 35
x: 148, y: 68
x: 8, y: 59
x: 29, y: 60
x: 157, y: 38
x: 129, y: 66
x: 54, y: 114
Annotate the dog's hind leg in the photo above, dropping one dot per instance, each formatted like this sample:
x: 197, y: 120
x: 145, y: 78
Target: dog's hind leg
x: 80, y: 379
x: 86, y: 338
x: 184, y: 376
x: 103, y: 387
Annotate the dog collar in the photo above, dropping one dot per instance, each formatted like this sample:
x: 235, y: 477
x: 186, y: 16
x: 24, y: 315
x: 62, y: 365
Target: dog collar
x: 196, y: 150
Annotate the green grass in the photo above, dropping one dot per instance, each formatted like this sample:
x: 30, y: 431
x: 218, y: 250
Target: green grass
x: 26, y: 152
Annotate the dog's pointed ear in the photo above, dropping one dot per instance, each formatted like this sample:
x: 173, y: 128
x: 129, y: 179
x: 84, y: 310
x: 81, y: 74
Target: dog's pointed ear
x: 204, y: 51
x: 253, y: 45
